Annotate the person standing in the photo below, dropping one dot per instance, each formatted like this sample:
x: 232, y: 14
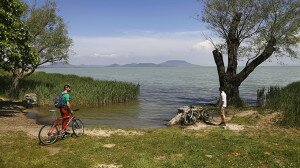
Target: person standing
x: 222, y: 106
x: 65, y: 110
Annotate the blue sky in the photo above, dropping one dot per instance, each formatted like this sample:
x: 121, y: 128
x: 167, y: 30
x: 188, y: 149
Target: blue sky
x: 116, y: 17
x: 133, y: 31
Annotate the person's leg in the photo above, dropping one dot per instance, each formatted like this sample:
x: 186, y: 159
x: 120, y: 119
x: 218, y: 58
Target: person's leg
x: 64, y: 113
x: 222, y: 111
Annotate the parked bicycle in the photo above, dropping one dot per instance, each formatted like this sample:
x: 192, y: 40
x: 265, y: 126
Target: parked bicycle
x: 208, y: 115
x: 49, y: 134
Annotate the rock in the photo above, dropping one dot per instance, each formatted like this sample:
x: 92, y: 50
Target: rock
x: 30, y: 99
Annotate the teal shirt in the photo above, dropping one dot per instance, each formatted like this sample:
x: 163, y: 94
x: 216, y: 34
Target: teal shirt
x: 65, y: 98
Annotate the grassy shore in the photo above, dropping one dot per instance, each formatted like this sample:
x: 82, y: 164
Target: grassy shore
x: 85, y: 90
x: 171, y: 147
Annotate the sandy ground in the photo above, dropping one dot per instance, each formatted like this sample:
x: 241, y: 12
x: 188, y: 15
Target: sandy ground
x: 17, y: 121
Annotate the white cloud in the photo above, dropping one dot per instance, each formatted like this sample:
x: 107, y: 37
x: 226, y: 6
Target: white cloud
x: 145, y: 47
x: 203, y: 45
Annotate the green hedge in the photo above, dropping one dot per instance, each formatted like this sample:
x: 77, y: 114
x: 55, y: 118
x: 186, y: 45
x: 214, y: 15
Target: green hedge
x: 85, y: 90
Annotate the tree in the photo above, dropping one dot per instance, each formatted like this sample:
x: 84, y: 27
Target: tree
x: 46, y: 35
x: 16, y: 54
x: 253, y: 30
x: 49, y: 33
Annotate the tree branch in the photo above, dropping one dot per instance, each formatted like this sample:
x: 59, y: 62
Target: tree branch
x: 233, y: 44
x: 268, y: 51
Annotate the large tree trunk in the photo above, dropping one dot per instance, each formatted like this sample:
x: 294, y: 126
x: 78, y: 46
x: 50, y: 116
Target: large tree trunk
x: 231, y: 81
x: 15, y: 81
x: 18, y: 75
x: 227, y: 80
x: 231, y: 88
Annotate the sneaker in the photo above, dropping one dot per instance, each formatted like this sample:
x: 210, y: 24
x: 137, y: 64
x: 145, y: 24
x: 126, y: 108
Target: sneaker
x: 222, y: 124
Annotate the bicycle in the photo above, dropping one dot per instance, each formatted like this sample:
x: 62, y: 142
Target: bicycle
x: 49, y: 134
x: 208, y: 116
x: 191, y: 116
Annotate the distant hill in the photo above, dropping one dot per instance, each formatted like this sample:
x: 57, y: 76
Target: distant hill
x: 170, y: 63
x: 140, y: 65
x: 176, y: 63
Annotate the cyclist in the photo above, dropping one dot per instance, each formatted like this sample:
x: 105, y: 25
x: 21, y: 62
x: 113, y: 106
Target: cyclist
x: 222, y: 106
x: 65, y: 110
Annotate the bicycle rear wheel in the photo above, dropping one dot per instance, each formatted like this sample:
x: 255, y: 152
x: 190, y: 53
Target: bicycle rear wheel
x: 48, y: 134
x: 212, y: 117
x: 78, y: 127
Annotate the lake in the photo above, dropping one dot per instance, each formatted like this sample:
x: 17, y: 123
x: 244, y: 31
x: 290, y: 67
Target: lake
x: 164, y: 89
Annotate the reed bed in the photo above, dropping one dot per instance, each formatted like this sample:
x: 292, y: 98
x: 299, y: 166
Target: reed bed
x: 285, y: 99
x: 85, y: 90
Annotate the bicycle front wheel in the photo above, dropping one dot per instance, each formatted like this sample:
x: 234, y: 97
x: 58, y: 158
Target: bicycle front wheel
x: 78, y: 127
x: 48, y: 134
x: 212, y: 117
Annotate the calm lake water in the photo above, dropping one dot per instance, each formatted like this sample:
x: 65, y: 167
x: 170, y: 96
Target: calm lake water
x: 164, y: 89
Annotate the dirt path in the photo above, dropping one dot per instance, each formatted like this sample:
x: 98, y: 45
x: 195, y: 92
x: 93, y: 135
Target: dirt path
x: 17, y: 121
x: 264, y: 121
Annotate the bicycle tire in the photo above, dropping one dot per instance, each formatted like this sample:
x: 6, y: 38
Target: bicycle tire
x: 48, y: 134
x: 211, y: 117
x: 77, y: 127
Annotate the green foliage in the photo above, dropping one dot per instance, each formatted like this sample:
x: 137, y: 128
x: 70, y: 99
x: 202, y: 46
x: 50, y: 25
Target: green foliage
x: 260, y: 21
x: 50, y: 35
x: 287, y: 100
x: 15, y: 46
x: 30, y: 38
x: 85, y: 90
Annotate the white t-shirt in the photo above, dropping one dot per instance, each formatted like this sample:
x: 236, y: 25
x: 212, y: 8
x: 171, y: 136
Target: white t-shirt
x: 223, y: 98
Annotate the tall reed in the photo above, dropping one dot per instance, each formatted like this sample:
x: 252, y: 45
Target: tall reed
x: 85, y: 90
x: 287, y: 100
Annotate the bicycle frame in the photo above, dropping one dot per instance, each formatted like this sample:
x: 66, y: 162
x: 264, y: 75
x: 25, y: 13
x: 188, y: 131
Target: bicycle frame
x: 56, y: 120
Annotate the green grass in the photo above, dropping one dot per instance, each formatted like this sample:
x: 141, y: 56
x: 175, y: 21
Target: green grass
x: 247, y: 120
x: 169, y: 147
x: 85, y: 90
x: 287, y: 100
